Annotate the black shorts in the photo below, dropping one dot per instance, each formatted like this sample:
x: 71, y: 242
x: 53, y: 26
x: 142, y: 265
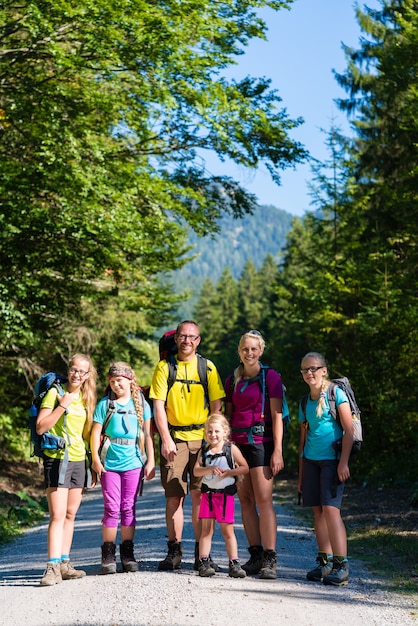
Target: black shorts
x: 257, y: 454
x: 75, y: 476
x: 320, y: 484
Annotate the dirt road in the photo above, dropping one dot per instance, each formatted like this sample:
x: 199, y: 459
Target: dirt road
x: 152, y: 598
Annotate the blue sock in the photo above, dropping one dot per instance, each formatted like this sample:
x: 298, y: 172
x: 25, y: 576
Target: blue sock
x: 65, y: 557
x: 54, y: 560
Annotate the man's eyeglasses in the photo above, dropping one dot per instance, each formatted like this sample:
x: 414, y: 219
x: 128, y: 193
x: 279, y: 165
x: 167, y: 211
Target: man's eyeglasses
x: 305, y: 370
x: 254, y: 332
x: 185, y: 337
x: 81, y: 373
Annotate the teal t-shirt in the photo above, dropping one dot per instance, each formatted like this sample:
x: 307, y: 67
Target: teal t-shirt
x: 323, y: 430
x: 123, y: 424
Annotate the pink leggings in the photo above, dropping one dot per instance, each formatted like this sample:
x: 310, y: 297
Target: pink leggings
x: 120, y: 492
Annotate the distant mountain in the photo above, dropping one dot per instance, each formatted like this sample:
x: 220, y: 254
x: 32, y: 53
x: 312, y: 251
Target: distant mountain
x: 252, y: 237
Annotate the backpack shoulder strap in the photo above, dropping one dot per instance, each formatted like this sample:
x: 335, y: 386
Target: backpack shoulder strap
x: 172, y: 371
x: 331, y: 400
x: 303, y: 403
x: 141, y: 395
x: 58, y: 384
x: 111, y: 408
x: 228, y: 454
x: 202, y: 370
x: 264, y: 390
x: 204, y: 451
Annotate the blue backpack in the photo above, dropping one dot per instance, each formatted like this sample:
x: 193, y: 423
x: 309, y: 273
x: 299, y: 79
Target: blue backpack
x: 48, y: 441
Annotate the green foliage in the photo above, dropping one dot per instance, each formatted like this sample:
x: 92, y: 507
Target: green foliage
x: 350, y: 285
x: 105, y: 112
x: 14, y: 443
x: 347, y: 284
x: 26, y: 511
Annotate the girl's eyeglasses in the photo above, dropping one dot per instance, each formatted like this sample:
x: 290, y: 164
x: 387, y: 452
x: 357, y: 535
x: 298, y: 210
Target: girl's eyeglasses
x: 81, y: 373
x: 305, y: 370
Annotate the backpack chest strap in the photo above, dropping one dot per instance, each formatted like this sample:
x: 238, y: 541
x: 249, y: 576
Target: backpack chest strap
x: 122, y: 441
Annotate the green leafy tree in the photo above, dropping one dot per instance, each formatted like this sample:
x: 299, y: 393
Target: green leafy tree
x: 381, y: 80
x: 348, y: 287
x: 106, y: 113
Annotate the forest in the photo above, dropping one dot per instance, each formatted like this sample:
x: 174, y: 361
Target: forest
x: 105, y: 112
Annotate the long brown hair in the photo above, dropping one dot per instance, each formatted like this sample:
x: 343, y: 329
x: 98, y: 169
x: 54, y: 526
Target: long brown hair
x: 88, y: 391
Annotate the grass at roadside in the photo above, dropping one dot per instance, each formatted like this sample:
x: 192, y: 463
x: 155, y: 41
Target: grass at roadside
x: 390, y: 554
x: 382, y: 530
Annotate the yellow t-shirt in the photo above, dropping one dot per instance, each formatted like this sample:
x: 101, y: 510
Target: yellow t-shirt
x: 185, y: 404
x: 76, y: 418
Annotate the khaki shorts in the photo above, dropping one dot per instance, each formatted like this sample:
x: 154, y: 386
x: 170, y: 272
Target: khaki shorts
x: 177, y: 476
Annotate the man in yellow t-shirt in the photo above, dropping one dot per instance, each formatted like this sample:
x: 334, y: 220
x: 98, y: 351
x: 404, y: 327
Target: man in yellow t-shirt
x: 182, y: 405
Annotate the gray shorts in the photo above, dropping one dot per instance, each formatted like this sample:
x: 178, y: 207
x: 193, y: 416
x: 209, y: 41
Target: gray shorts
x: 320, y: 483
x: 75, y: 476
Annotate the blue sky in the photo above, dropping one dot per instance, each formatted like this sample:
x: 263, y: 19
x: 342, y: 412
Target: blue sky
x: 304, y: 46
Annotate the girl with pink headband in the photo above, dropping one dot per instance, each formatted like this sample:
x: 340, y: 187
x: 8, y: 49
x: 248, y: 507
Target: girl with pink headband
x: 123, y: 455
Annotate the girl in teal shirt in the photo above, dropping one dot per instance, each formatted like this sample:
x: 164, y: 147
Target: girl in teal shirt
x: 323, y: 471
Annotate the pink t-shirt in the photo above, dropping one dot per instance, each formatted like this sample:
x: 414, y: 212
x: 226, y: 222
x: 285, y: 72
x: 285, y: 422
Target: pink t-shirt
x: 246, y: 399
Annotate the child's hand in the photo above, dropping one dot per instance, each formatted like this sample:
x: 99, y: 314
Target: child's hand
x: 98, y: 468
x: 149, y: 471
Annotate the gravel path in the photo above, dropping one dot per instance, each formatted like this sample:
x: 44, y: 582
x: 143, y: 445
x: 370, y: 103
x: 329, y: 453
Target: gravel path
x: 152, y: 598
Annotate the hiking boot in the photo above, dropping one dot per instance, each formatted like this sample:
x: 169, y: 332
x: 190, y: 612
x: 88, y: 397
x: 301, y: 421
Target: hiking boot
x: 68, y: 572
x: 52, y: 575
x: 268, y: 566
x: 253, y: 565
x: 173, y: 559
x: 339, y: 573
x: 323, y: 568
x: 127, y: 556
x: 205, y: 568
x: 213, y: 565
x: 108, y: 558
x: 235, y: 569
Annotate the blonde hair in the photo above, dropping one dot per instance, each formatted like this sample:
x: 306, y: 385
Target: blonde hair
x: 88, y: 391
x: 136, y: 393
x: 217, y: 418
x: 325, y: 382
x: 250, y: 334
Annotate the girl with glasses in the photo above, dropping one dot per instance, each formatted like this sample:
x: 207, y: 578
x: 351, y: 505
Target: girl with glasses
x: 69, y: 416
x: 323, y: 471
